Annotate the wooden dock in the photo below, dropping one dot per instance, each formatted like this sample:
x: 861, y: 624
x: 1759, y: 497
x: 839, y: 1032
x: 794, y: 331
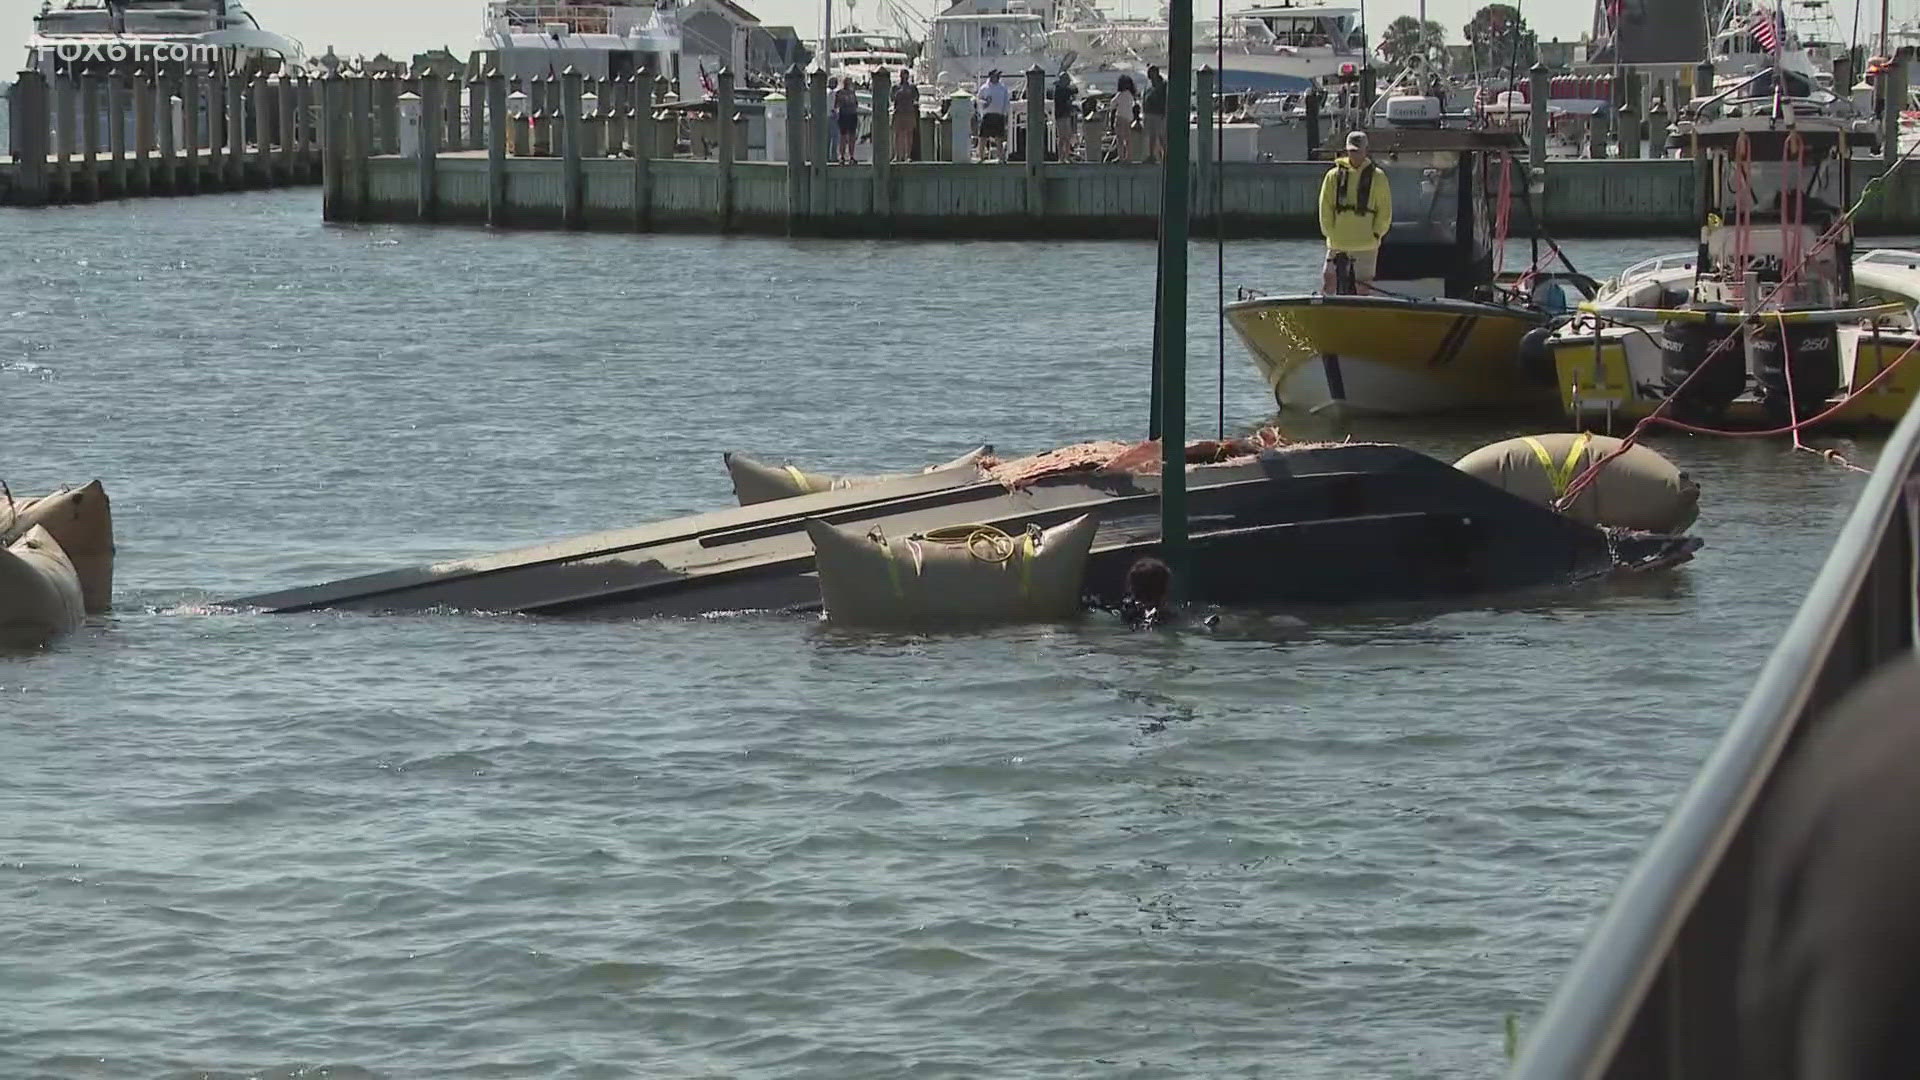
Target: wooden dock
x: 130, y: 134
x: 550, y: 162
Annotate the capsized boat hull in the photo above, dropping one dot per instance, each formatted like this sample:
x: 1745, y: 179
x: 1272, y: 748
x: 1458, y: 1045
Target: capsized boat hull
x: 1328, y: 523
x: 1383, y: 356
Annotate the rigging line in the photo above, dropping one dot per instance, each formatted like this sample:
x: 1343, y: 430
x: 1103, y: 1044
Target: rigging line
x: 1787, y: 277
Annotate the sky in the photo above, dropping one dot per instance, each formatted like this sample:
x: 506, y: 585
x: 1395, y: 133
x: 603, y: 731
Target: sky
x: 403, y: 27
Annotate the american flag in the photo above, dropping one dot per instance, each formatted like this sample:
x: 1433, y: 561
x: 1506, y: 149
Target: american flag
x: 1766, y: 28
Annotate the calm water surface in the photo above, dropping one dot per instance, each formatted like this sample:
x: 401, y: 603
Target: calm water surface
x: 454, y: 846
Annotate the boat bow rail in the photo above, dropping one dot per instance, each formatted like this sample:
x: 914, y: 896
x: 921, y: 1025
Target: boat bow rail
x: 1652, y: 994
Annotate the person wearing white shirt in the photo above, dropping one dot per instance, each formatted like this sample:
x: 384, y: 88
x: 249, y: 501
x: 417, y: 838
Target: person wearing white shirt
x: 993, y: 99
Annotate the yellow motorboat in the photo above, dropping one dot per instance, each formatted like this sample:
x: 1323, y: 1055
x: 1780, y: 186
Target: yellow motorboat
x: 1383, y: 355
x: 1439, y: 331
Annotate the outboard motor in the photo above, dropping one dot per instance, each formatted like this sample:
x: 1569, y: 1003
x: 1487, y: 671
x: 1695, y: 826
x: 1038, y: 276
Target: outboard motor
x: 1537, y: 366
x: 1810, y: 359
x: 1686, y: 345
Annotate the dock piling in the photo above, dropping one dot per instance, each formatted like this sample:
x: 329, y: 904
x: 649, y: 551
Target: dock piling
x: 794, y: 123
x: 960, y: 126
x: 1629, y: 125
x: 727, y: 130
x: 496, y: 91
x: 386, y: 101
x: 65, y: 117
x: 236, y: 129
x: 89, y: 138
x: 570, y: 94
x: 262, y: 112
x: 476, y: 114
x: 360, y: 97
x: 119, y: 95
x: 882, y: 88
x: 613, y: 122
x: 641, y: 131
x: 142, y: 89
x: 819, y: 141
x: 197, y: 110
x: 1036, y: 142
x: 285, y: 127
x: 450, y: 113
x: 332, y: 129
x: 1203, y: 122
x: 171, y: 132
x: 27, y: 102
x: 432, y: 101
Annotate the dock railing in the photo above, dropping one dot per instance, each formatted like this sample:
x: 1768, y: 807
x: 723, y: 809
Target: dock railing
x: 1652, y: 994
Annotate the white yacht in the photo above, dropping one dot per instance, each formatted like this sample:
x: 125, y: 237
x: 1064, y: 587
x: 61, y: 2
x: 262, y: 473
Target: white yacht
x: 154, y: 34
x: 858, y: 54
x: 610, y: 40
x: 1284, y: 47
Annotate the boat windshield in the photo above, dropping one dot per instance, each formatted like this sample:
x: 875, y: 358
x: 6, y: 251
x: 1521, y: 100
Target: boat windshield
x: 1426, y: 204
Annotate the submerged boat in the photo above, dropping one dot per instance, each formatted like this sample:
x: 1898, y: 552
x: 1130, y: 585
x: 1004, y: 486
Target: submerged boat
x: 1774, y: 319
x: 1290, y: 523
x: 1439, y: 331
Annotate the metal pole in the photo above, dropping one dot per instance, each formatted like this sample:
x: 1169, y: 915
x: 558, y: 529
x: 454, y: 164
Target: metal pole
x: 1174, y: 210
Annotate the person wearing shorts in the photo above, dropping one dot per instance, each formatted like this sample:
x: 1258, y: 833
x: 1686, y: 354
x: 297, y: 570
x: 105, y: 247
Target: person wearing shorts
x: 994, y: 98
x: 1356, y: 209
x: 846, y: 114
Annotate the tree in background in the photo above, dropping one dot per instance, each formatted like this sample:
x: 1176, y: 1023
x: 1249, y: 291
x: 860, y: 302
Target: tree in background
x: 1406, y: 38
x: 1495, y: 33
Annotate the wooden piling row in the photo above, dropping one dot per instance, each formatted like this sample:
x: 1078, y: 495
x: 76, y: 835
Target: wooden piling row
x: 135, y: 132
x: 568, y: 152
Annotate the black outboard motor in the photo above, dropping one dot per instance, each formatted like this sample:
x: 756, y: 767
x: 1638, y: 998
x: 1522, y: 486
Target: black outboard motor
x: 1537, y: 367
x: 1686, y: 345
x: 1811, y: 359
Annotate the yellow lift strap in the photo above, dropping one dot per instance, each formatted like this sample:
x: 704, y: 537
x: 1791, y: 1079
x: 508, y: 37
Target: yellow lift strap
x: 1562, y: 474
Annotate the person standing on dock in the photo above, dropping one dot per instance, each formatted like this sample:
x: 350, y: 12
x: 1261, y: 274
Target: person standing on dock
x: 1356, y: 209
x: 1126, y: 101
x: 846, y: 113
x: 1154, y: 107
x: 1066, y: 114
x: 906, y: 116
x: 994, y: 101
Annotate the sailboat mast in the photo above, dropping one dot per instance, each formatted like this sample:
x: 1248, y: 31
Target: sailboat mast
x: 826, y: 37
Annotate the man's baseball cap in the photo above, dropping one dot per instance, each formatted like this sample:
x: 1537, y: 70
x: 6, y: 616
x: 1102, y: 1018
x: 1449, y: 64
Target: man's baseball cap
x: 1357, y: 140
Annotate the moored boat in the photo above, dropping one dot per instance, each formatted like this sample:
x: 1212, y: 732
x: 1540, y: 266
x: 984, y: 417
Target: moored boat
x: 1439, y: 330
x: 1775, y: 320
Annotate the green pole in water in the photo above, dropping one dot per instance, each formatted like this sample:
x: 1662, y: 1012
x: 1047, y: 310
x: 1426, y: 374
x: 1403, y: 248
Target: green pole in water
x: 1172, y: 313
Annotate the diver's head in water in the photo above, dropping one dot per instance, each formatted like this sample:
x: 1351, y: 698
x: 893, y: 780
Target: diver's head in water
x: 1148, y: 582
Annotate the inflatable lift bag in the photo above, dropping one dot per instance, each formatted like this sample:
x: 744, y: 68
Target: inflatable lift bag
x: 1637, y: 490
x: 81, y: 522
x: 758, y: 482
x: 874, y: 580
x: 39, y: 592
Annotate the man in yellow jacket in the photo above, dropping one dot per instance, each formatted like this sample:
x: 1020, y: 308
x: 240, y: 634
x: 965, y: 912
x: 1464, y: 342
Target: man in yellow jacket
x: 1356, y: 209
